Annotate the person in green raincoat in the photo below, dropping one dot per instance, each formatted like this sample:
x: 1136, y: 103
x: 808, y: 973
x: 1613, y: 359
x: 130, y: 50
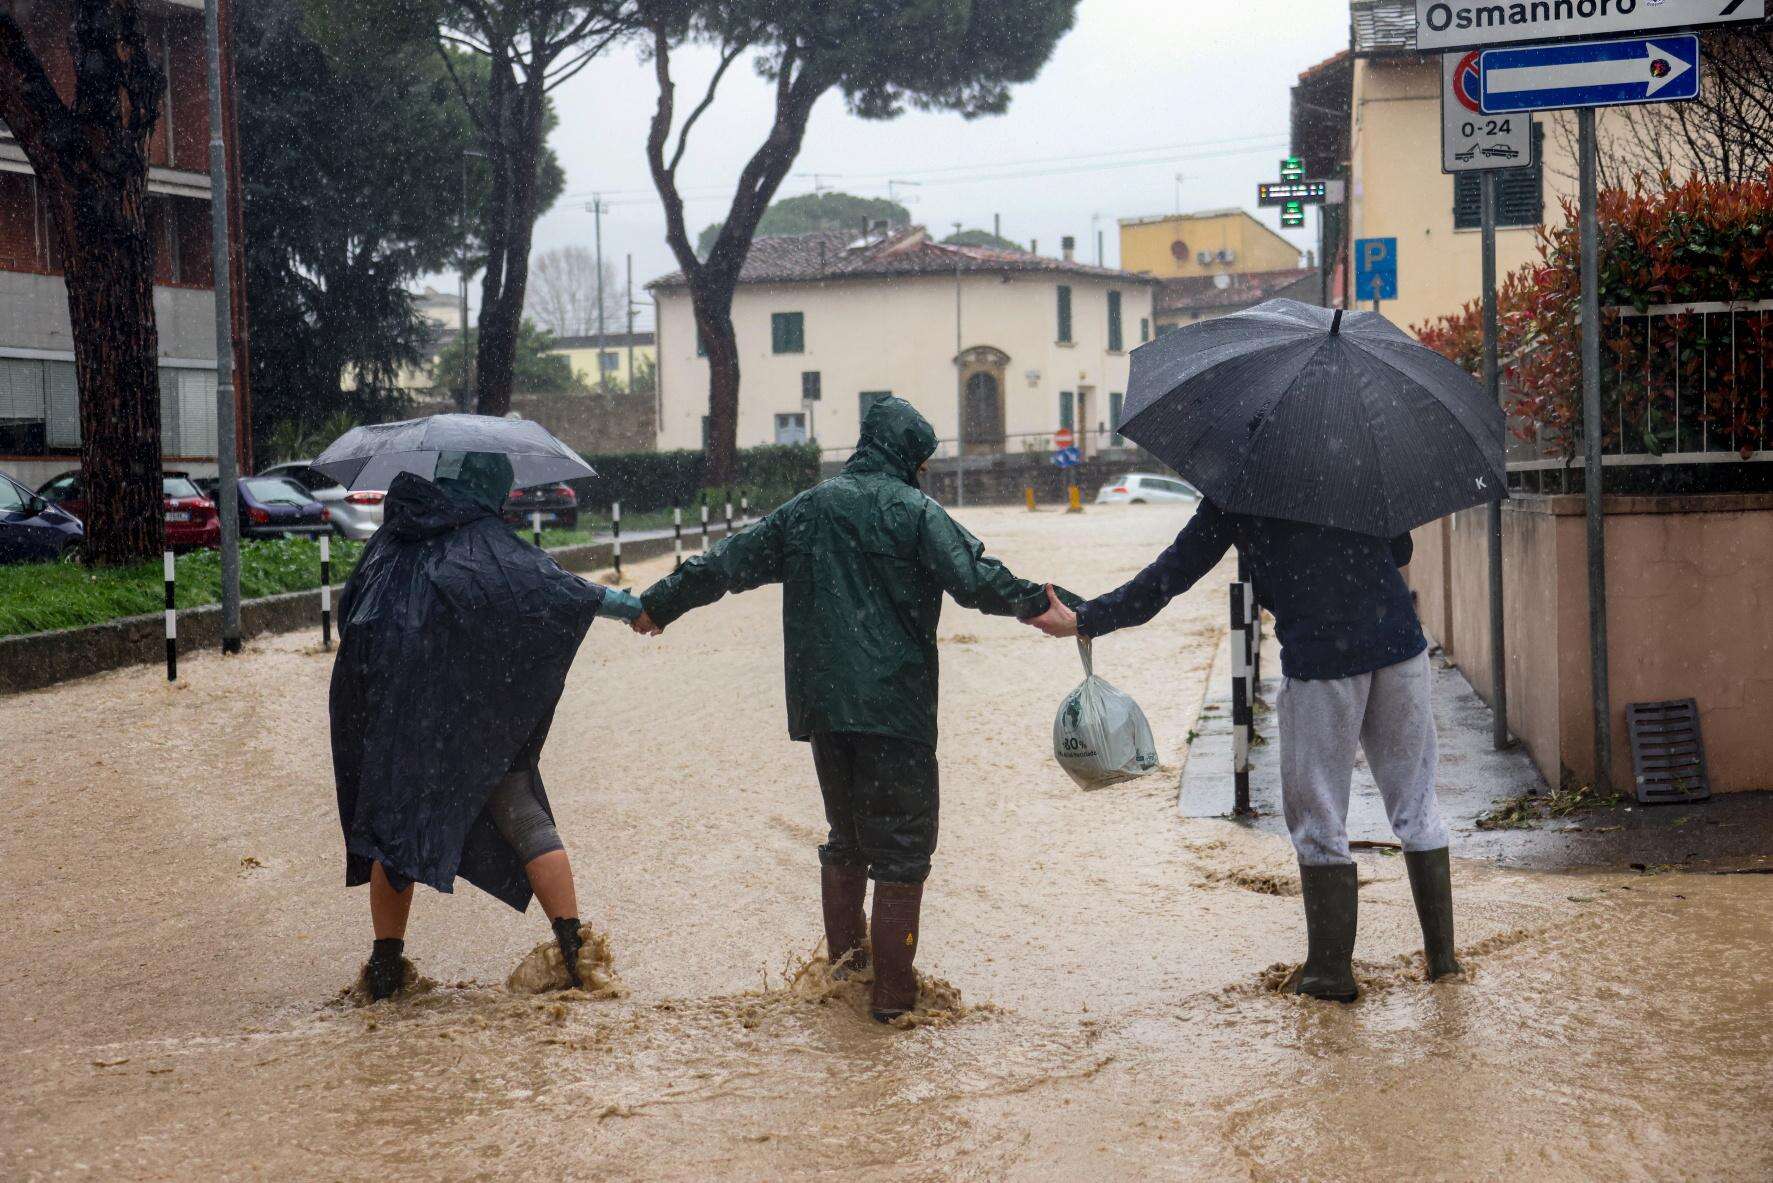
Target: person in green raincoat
x: 864, y: 560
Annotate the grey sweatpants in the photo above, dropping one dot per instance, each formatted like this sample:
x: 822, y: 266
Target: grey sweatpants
x: 520, y: 818
x: 1389, y: 714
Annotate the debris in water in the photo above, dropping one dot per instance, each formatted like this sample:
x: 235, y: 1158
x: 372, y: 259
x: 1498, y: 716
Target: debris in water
x: 543, y: 969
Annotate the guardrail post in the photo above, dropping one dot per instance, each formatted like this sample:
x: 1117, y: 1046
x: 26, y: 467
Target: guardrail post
x: 677, y: 536
x: 744, y: 509
x: 172, y: 623
x: 535, y: 526
x: 326, y: 591
x: 615, y: 526
x: 1240, y: 705
x: 729, y: 514
x: 704, y: 523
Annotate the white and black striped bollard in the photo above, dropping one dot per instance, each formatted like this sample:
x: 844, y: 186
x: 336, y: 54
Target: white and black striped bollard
x: 326, y: 591
x: 677, y: 536
x: 729, y: 515
x: 535, y: 526
x: 744, y: 509
x: 172, y: 623
x: 615, y: 526
x: 1240, y: 703
x: 704, y: 525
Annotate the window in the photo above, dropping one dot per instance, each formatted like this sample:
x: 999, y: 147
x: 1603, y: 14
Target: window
x: 1064, y: 337
x: 1115, y: 344
x: 1144, y: 329
x: 1520, y: 192
x: 609, y: 361
x: 809, y: 386
x: 187, y: 412
x: 868, y: 398
x: 1116, y: 403
x: 12, y: 498
x: 704, y: 433
x: 701, y: 343
x: 791, y: 429
x: 178, y: 486
x: 788, y: 332
x: 1067, y: 409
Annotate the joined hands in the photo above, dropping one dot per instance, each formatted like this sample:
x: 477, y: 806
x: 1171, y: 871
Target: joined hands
x: 1057, y: 620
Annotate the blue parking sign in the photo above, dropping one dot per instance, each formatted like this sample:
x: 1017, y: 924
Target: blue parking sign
x: 1375, y: 268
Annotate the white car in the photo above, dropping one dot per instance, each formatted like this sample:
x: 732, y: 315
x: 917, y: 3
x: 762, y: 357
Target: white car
x: 1142, y: 488
x: 356, y: 514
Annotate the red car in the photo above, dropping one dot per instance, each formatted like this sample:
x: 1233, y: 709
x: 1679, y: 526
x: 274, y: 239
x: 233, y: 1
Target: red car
x: 191, y: 520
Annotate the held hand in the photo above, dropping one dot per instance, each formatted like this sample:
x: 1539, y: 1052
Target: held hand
x: 1057, y: 620
x: 643, y: 624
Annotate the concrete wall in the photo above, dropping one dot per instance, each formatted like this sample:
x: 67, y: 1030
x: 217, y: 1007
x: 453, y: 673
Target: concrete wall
x: 898, y: 335
x: 1689, y: 613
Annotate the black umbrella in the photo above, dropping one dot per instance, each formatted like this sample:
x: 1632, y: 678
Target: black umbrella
x: 370, y: 457
x: 1316, y: 415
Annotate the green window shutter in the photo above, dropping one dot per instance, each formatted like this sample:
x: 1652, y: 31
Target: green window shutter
x: 1064, y: 313
x: 701, y: 343
x: 1115, y: 344
x: 788, y: 332
x: 1117, y: 402
x: 1144, y: 329
x: 1067, y: 409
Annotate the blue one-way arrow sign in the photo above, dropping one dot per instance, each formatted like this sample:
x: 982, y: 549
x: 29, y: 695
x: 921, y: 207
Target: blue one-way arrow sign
x: 1590, y: 74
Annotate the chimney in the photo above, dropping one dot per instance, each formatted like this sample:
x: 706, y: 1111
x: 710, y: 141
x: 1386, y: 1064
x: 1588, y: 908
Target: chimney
x: 1068, y: 248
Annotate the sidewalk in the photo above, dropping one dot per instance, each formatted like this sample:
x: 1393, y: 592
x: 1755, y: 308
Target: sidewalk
x: 1732, y: 831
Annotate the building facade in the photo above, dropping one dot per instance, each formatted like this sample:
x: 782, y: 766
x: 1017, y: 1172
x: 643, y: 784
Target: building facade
x: 828, y: 324
x: 1202, y: 245
x: 1185, y: 301
x: 612, y: 359
x: 39, y: 407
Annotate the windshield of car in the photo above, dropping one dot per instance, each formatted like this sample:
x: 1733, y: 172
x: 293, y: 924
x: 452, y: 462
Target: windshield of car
x: 277, y: 491
x: 12, y: 498
x: 178, y: 486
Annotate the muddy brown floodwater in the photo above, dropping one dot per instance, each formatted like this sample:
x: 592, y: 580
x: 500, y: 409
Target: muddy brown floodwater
x: 175, y: 938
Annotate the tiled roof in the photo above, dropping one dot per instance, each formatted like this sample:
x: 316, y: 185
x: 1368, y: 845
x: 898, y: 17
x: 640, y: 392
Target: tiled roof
x: 1198, y: 293
x: 1383, y: 26
x: 837, y: 255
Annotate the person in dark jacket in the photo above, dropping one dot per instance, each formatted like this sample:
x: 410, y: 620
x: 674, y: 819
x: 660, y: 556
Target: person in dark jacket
x: 456, y: 636
x: 864, y: 560
x: 1356, y: 667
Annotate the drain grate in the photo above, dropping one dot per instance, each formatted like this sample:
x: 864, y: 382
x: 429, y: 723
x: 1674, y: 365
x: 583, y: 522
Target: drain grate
x: 1667, y: 755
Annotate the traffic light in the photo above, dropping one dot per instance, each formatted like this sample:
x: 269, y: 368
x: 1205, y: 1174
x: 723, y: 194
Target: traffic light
x: 1293, y: 214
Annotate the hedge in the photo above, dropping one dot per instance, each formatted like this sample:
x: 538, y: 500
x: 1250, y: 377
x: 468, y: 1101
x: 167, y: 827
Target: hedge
x: 646, y: 481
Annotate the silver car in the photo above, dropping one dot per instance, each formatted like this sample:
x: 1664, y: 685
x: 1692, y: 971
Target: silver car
x: 356, y: 513
x: 1141, y: 488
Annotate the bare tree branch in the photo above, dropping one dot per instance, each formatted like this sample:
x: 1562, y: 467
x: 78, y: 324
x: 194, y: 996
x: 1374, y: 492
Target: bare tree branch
x: 727, y: 58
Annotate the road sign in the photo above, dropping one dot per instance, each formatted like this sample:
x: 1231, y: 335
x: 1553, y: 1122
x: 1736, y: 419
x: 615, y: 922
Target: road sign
x: 1067, y: 458
x: 1590, y: 74
x: 1470, y: 140
x: 1293, y: 169
x: 1270, y: 193
x: 1063, y: 439
x: 1375, y: 269
x: 1475, y: 24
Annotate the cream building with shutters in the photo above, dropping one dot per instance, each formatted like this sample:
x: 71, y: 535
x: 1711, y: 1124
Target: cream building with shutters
x: 827, y: 323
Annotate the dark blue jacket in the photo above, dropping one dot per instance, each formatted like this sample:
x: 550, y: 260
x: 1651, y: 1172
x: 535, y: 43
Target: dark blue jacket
x: 1340, y: 606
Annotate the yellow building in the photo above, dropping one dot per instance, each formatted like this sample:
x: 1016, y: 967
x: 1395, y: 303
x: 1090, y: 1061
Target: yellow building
x: 607, y: 362
x: 1189, y: 246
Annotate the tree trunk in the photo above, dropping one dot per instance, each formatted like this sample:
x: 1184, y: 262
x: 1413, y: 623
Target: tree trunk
x: 714, y: 317
x: 510, y: 229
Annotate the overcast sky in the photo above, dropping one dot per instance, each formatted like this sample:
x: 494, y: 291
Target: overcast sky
x: 1138, y: 91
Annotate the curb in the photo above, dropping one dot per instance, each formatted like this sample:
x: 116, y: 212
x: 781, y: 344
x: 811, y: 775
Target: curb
x: 37, y: 660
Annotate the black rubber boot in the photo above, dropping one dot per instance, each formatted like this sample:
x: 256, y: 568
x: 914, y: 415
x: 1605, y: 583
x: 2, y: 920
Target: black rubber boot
x: 896, y: 908
x: 386, y: 971
x: 566, y: 933
x: 841, y: 890
x: 1431, y: 883
x: 1332, y: 905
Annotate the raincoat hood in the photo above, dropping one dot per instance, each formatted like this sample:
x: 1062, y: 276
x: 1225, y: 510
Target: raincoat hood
x: 895, y: 440
x: 417, y: 508
x: 482, y: 477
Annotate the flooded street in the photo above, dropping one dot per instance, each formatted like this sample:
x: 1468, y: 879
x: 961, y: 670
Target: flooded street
x: 176, y: 938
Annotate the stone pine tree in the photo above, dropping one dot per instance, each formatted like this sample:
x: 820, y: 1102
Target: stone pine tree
x: 89, y: 150
x: 881, y: 55
x: 529, y: 47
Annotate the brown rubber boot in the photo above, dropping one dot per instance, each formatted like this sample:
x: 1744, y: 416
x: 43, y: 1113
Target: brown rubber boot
x: 841, y: 890
x: 896, y: 908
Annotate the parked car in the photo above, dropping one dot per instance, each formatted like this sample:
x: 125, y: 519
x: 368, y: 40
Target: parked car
x: 1140, y: 488
x: 356, y: 513
x: 31, y: 529
x: 191, y: 520
x: 558, y: 505
x: 277, y: 507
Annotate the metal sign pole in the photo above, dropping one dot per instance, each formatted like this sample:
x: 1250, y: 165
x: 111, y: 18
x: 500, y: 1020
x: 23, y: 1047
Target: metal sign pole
x: 1493, y: 386
x: 226, y: 430
x: 1592, y: 478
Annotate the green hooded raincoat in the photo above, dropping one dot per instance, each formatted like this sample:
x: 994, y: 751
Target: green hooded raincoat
x: 863, y: 559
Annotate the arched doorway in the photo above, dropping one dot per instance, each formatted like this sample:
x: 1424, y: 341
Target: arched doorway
x: 982, y: 411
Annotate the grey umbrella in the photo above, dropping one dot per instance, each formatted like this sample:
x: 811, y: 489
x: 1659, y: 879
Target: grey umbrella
x: 370, y: 457
x: 1316, y: 415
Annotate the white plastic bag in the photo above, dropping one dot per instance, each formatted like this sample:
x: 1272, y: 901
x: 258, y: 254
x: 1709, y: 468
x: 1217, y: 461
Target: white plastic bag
x: 1100, y: 735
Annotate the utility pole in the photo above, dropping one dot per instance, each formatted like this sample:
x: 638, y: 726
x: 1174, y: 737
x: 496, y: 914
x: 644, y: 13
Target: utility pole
x: 630, y: 323
x: 960, y: 398
x: 597, y: 210
x: 997, y: 225
x: 1493, y: 387
x: 1592, y: 474
x: 465, y: 396
x: 226, y: 430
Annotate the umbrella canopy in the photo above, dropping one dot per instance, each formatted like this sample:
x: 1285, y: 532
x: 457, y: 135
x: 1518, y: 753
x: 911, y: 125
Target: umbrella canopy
x: 1316, y: 415
x: 370, y: 457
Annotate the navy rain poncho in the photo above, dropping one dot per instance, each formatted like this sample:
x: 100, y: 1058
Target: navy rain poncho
x: 456, y: 637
